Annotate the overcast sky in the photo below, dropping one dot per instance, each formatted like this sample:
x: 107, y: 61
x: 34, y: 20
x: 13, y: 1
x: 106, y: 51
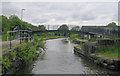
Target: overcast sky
x: 60, y: 0
x: 57, y: 13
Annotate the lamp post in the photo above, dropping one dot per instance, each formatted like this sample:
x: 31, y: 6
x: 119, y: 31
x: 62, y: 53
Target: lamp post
x: 21, y: 24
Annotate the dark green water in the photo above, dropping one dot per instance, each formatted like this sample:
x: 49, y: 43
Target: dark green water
x: 59, y: 58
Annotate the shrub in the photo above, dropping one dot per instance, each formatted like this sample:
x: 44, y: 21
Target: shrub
x: 5, y: 63
x: 12, y: 54
x: 26, y: 53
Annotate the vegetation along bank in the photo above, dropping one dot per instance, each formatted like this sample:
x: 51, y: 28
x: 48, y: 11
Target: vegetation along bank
x: 23, y: 54
x: 102, y: 52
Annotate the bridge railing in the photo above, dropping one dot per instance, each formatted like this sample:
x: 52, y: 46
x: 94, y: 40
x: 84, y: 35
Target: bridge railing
x: 69, y: 31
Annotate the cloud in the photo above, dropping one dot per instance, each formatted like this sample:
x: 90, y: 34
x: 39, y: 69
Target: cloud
x: 77, y: 13
x: 60, y: 0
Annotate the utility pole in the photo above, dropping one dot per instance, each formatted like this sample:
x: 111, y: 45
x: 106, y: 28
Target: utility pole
x: 21, y: 24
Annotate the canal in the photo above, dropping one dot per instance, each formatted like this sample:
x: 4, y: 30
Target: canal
x: 59, y: 58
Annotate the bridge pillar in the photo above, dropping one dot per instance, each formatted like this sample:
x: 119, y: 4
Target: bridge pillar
x: 89, y: 37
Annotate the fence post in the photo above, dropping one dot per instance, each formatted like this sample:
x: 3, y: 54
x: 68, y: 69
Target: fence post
x: 10, y: 40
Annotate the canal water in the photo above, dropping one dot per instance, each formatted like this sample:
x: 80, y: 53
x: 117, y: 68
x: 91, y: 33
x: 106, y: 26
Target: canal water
x: 59, y: 58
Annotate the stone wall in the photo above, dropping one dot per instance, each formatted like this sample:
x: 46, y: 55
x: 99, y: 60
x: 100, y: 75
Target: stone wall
x: 113, y: 64
x: 91, y: 47
x: 78, y: 50
x: 88, y: 49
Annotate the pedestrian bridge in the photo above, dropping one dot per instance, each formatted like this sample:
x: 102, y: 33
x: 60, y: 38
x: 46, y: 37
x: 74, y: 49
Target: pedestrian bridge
x: 84, y: 34
x: 64, y: 31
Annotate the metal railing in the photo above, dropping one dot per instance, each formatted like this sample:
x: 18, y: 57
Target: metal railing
x: 20, y: 38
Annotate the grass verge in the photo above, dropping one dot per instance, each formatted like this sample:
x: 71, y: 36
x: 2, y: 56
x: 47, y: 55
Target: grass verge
x: 112, y: 52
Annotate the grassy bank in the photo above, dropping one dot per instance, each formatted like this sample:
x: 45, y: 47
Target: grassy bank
x: 111, y: 52
x: 80, y: 46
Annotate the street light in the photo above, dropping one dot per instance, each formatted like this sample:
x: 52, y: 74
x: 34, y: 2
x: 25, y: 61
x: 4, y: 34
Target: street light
x: 21, y: 24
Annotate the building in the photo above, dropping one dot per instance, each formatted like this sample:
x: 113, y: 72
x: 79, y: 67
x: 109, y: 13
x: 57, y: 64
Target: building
x: 106, y: 31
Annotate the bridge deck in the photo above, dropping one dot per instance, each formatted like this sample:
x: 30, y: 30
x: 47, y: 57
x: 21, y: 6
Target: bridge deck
x: 68, y: 31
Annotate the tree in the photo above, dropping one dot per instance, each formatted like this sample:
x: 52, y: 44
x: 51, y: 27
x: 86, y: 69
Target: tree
x: 4, y: 21
x: 112, y: 24
x: 5, y: 24
x: 41, y: 27
x: 14, y: 21
x: 34, y: 28
x: 11, y: 23
x: 63, y: 27
x: 76, y: 28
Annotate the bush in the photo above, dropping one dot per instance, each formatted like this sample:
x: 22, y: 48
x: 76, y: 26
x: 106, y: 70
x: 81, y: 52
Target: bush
x: 5, y: 63
x: 12, y: 54
x: 26, y: 53
x: 39, y: 43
